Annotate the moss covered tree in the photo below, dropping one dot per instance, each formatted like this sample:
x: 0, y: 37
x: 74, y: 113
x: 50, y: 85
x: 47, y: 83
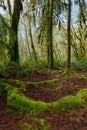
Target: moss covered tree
x: 14, y: 25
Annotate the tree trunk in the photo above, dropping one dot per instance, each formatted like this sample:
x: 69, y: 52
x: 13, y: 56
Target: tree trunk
x: 32, y: 45
x: 69, y: 36
x: 27, y: 41
x: 51, y: 62
x: 49, y: 15
x: 15, y: 21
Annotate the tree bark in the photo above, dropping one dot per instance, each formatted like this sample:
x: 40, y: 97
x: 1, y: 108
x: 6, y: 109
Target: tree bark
x: 9, y: 7
x: 14, y: 25
x: 51, y: 62
x: 69, y: 36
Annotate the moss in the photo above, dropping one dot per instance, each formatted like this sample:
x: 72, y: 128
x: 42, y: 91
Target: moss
x: 68, y: 102
x: 52, y: 81
x: 18, y: 102
x: 43, y: 125
x: 37, y: 124
x: 24, y: 83
x: 82, y: 93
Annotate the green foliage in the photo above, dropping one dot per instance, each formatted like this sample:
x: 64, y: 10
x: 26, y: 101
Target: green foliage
x: 82, y: 64
x: 3, y: 73
x: 42, y: 62
x: 28, y: 63
x: 75, y: 64
x: 31, y: 69
x: 12, y: 68
x: 26, y: 71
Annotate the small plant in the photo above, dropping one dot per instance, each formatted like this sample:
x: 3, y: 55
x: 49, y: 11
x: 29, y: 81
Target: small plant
x: 12, y: 68
x: 27, y: 71
x: 79, y: 64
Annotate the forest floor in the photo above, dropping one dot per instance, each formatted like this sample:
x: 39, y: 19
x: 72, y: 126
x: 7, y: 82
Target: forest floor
x: 67, y: 84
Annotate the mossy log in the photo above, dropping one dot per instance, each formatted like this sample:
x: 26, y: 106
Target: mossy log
x: 18, y: 102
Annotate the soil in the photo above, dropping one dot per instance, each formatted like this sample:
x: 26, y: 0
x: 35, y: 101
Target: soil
x: 67, y: 84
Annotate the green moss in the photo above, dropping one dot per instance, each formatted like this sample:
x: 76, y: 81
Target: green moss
x: 18, y: 82
x: 52, y: 81
x: 43, y: 124
x: 24, y: 83
x: 37, y: 124
x: 18, y: 102
x: 68, y: 102
x: 82, y: 93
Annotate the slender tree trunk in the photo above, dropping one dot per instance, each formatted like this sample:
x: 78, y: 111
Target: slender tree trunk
x: 51, y: 62
x: 48, y: 54
x: 31, y: 39
x: 49, y: 15
x: 27, y: 40
x: 69, y: 36
x: 32, y: 45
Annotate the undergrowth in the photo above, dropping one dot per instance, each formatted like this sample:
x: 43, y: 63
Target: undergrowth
x: 79, y: 64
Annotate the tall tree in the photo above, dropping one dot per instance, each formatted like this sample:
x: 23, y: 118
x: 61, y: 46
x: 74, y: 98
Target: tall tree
x: 68, y: 36
x: 14, y: 25
x: 51, y: 61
